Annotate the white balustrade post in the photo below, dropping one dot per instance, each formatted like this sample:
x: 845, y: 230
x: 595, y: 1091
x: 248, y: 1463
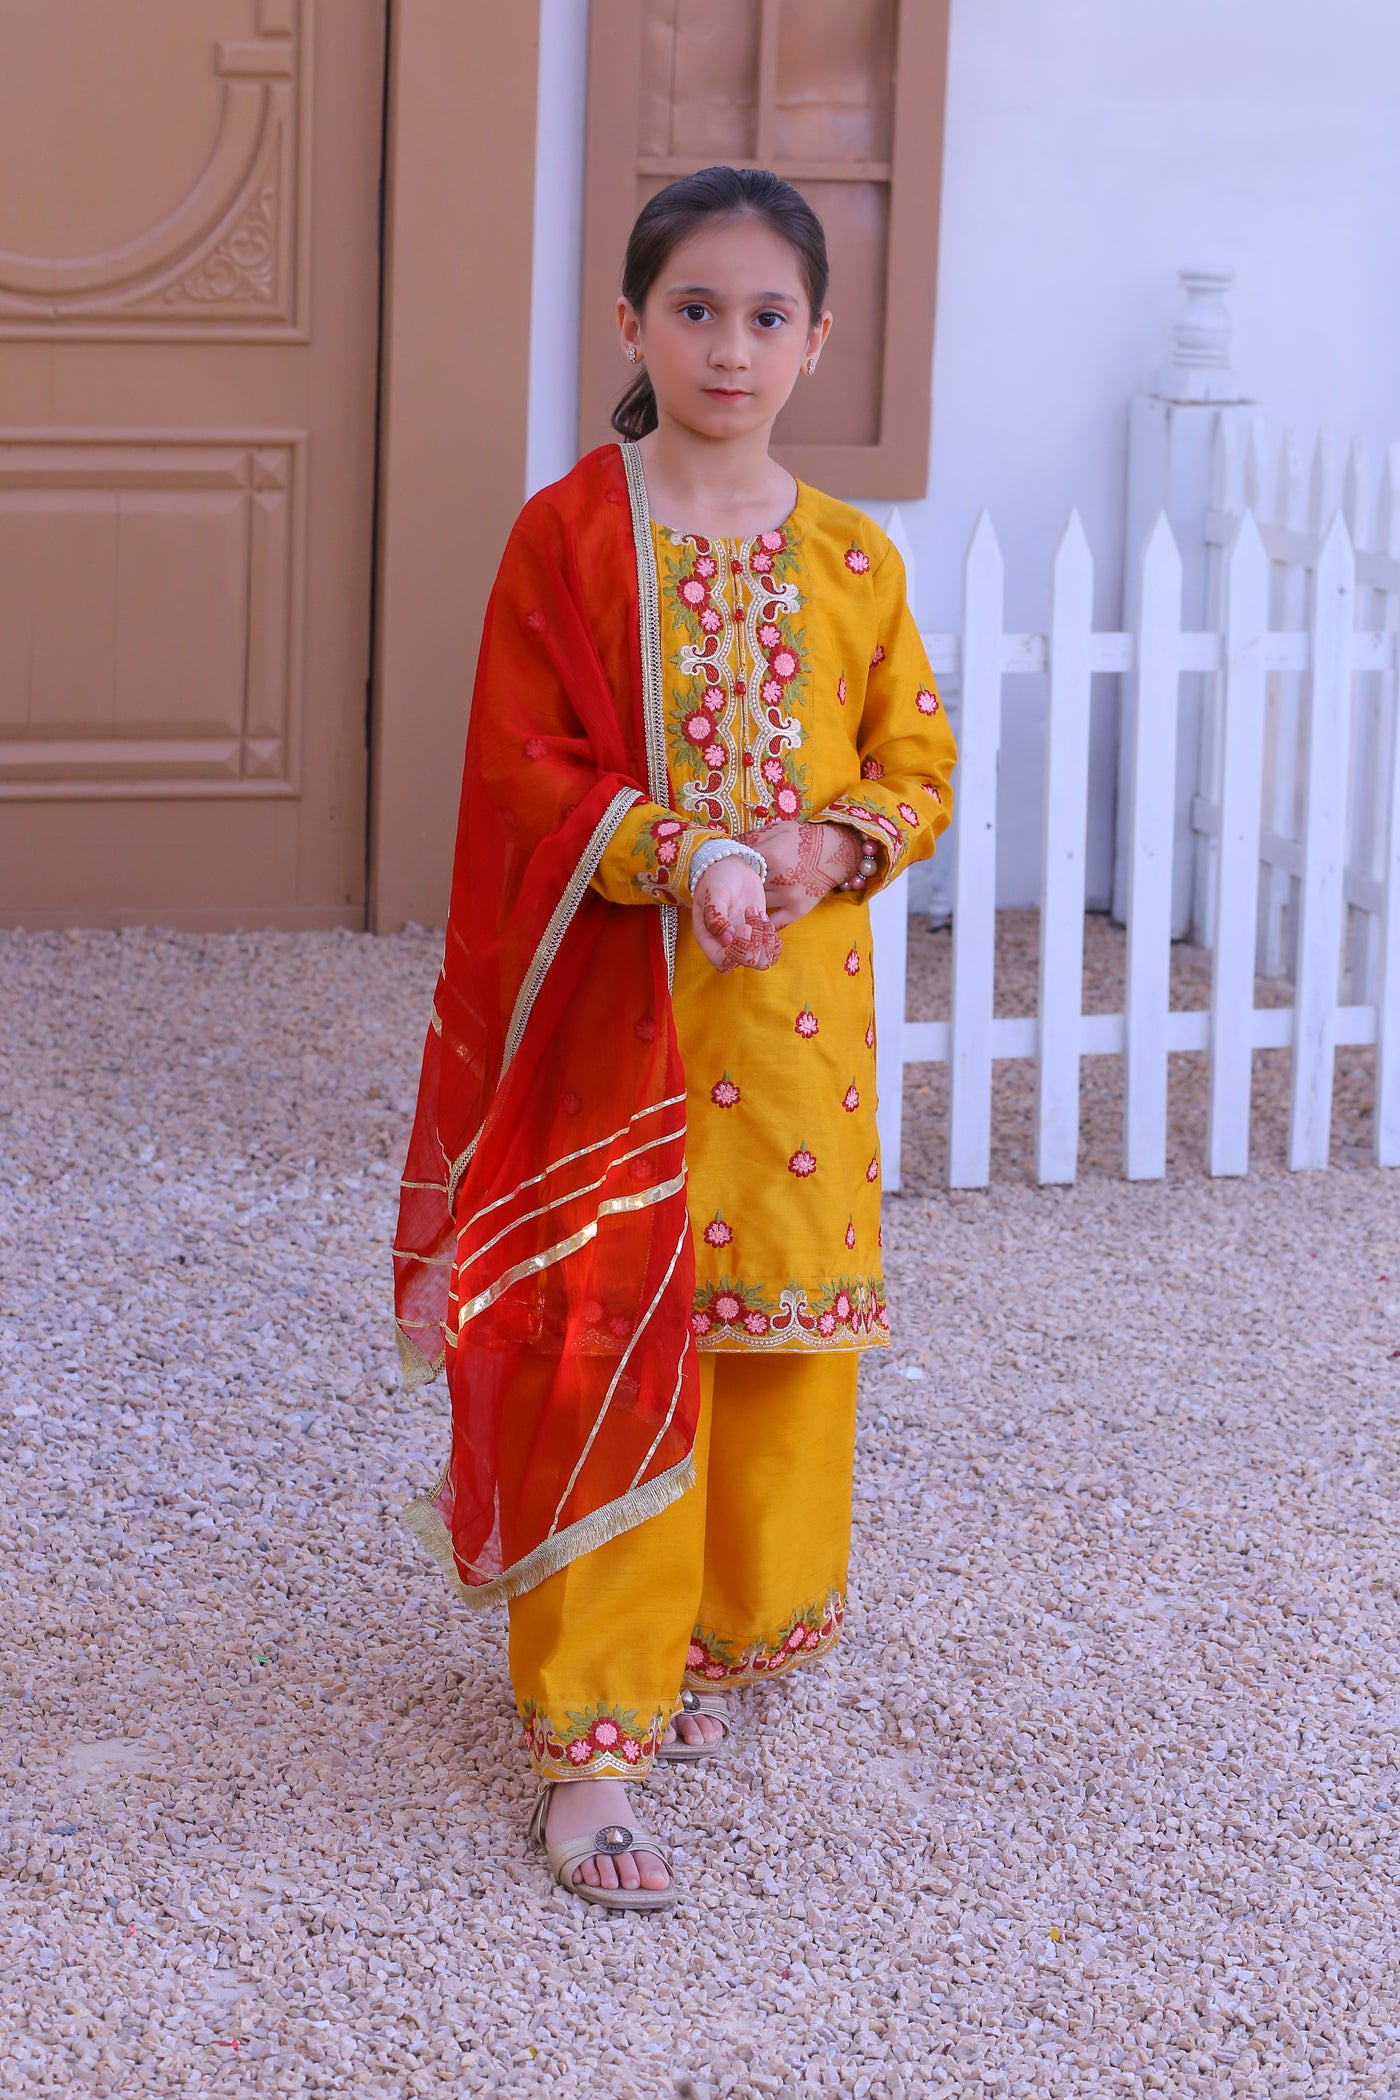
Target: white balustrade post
x: 1237, y: 874
x: 1171, y: 437
x: 975, y: 866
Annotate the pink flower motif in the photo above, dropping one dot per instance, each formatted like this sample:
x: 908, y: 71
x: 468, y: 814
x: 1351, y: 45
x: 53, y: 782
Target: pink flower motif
x: 668, y: 828
x: 605, y: 1732
x: 870, y: 1036
x: 756, y: 1322
x: 645, y: 1029
x: 796, y: 1639
x: 773, y: 772
x: 694, y: 1656
x: 698, y: 728
x: 714, y: 1670
x: 879, y: 656
x: 710, y: 620
x: 693, y: 593
x: 929, y: 789
x: 706, y: 566
x: 802, y: 1163
x: 853, y: 963
x: 769, y: 635
x: 534, y: 747
x: 806, y: 1023
x: 871, y: 769
x: 620, y: 1326
x: 578, y: 1753
x: 631, y: 1749
x: 851, y: 1234
x: 666, y: 852
x: 872, y: 1172
x: 727, y: 1307
x: 850, y: 1100
x: 926, y: 702
x: 826, y: 1323
x: 772, y: 692
x: 814, y: 1637
x: 773, y: 542
x: 572, y: 1102
x: 841, y: 689
x: 761, y: 563
x: 783, y: 664
x: 536, y: 621
x: 788, y: 802
x: 714, y: 756
x: 888, y: 826
x: 841, y: 1306
x: 724, y: 1093
x: 910, y: 815
x: 857, y: 561
x: 700, y: 1323
x: 717, y: 1233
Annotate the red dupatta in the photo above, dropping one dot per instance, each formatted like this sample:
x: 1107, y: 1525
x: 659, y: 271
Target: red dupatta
x: 543, y: 1247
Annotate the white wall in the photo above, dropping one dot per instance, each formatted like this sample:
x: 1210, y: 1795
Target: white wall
x: 1093, y: 147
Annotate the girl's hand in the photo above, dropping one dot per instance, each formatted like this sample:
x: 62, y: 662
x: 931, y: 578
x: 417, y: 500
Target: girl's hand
x: 805, y: 863
x: 731, y: 923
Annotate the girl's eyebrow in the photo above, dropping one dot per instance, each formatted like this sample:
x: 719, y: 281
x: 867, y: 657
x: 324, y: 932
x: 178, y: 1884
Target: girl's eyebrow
x: 705, y: 291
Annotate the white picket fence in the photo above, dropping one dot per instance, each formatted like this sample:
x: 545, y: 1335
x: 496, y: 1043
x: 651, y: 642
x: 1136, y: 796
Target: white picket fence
x: 1325, y: 656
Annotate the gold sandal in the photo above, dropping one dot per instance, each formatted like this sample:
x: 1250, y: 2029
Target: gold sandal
x: 610, y: 1840
x: 698, y: 1703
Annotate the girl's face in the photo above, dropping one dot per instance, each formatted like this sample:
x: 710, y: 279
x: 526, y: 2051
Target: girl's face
x: 726, y: 328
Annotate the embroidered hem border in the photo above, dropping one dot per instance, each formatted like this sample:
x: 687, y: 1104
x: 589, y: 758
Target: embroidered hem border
x: 424, y: 1519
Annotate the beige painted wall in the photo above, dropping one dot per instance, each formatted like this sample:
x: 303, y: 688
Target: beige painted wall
x: 458, y: 230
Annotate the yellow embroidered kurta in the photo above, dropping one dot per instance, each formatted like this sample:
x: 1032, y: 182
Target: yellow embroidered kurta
x: 795, y: 686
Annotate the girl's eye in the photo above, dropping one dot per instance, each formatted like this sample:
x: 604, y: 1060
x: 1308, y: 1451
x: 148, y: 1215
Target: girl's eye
x: 695, y: 311
x: 770, y: 320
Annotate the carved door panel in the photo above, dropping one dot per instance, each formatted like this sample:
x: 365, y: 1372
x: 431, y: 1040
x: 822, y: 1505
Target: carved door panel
x: 189, y: 280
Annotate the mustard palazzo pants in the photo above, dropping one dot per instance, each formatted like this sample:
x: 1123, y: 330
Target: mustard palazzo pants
x: 740, y: 1580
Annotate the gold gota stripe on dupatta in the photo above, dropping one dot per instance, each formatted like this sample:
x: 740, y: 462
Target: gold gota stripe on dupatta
x: 622, y: 1363
x: 590, y: 1188
x: 655, y: 1108
x: 649, y: 639
x: 551, y: 941
x: 611, y: 1208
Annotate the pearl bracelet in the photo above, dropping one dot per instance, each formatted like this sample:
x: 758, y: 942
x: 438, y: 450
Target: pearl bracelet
x: 722, y: 849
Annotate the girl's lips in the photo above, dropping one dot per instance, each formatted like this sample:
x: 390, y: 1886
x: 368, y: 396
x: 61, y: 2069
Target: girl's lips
x: 727, y: 393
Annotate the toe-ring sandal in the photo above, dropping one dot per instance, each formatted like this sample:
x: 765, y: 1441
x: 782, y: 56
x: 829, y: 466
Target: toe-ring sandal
x: 698, y: 1703
x: 613, y: 1838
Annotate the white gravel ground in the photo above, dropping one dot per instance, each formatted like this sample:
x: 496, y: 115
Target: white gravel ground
x: 1099, y: 1796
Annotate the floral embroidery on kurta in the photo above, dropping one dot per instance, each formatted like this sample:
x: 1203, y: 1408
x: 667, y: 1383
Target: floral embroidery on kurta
x: 745, y: 678
x: 602, y: 1742
x: 771, y: 1057
x: 809, y: 1633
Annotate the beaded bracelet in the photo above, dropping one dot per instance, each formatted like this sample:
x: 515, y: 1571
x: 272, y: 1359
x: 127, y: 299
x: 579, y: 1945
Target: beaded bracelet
x: 866, y: 869
x: 722, y: 849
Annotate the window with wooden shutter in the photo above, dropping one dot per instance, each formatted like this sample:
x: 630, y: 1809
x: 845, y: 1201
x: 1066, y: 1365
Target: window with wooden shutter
x: 845, y: 99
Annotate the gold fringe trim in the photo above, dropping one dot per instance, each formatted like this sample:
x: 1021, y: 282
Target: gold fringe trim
x: 423, y: 1518
x: 417, y: 1369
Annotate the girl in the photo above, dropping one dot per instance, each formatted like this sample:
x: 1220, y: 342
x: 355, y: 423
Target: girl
x: 640, y: 1216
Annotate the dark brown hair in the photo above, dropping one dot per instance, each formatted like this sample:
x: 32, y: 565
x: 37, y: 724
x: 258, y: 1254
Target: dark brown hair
x: 680, y: 210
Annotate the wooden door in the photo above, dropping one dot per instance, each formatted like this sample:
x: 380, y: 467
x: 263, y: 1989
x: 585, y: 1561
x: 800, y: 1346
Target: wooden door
x: 189, y: 289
